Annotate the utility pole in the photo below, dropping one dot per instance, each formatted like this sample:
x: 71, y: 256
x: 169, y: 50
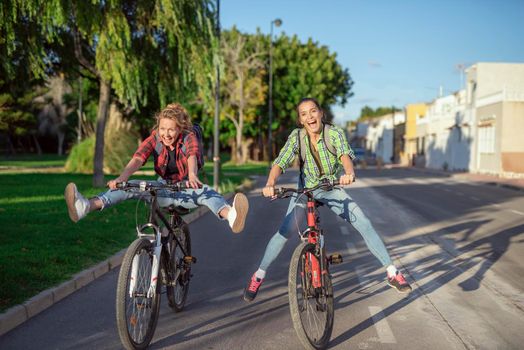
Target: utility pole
x: 394, y: 143
x: 216, y: 150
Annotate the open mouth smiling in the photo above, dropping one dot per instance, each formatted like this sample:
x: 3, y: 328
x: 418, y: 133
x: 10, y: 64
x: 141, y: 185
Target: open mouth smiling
x: 312, y: 123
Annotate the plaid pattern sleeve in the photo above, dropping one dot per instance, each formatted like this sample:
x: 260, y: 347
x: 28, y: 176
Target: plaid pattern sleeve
x: 146, y: 147
x: 288, y: 152
x: 340, y: 142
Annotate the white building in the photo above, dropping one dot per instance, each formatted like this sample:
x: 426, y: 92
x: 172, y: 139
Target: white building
x: 447, y: 133
x: 378, y: 138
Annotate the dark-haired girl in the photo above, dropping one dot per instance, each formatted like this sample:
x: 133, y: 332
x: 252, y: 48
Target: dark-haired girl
x: 319, y: 164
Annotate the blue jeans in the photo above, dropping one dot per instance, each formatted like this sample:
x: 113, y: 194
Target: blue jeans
x: 189, y: 199
x: 341, y: 204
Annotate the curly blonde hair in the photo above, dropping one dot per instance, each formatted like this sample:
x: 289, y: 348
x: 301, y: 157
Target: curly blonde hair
x: 176, y: 112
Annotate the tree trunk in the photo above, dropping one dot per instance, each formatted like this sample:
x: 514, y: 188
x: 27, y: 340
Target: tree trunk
x: 10, y: 147
x: 245, y: 149
x: 232, y: 145
x: 238, y: 147
x: 101, y: 118
x: 37, y: 145
x: 61, y: 136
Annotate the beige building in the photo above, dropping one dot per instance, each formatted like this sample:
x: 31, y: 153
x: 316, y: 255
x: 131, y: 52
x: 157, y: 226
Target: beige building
x: 495, y: 105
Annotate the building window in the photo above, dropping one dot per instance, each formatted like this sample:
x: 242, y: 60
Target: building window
x: 487, y: 139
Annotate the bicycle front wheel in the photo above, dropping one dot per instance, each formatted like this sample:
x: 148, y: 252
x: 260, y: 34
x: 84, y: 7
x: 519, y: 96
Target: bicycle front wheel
x: 136, y: 312
x: 312, y: 309
x: 179, y: 270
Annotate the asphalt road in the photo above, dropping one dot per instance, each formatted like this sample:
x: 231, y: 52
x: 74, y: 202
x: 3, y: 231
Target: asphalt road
x: 461, y: 245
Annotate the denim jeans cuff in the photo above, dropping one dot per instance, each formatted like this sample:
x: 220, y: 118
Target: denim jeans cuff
x: 220, y: 209
x: 104, y: 201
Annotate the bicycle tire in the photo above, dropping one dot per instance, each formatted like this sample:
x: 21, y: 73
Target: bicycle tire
x: 134, y: 332
x: 299, y: 299
x: 177, y: 295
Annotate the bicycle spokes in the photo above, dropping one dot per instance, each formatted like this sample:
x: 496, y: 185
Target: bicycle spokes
x: 311, y: 297
x: 139, y: 307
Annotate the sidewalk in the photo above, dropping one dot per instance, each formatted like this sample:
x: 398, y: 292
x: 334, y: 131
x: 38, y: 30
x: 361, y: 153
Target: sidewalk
x: 510, y: 183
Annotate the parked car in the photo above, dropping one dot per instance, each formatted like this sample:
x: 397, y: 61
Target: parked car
x: 364, y: 157
x: 360, y: 153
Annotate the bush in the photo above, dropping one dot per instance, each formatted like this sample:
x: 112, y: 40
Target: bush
x: 80, y: 159
x: 121, y: 141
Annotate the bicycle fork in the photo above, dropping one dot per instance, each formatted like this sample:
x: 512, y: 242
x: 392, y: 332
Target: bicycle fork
x: 157, y: 250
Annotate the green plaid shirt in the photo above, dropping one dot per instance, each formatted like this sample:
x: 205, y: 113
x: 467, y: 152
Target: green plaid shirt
x: 329, y: 162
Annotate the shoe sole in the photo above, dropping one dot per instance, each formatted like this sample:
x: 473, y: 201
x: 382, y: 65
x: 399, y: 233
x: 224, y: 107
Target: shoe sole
x: 241, y: 205
x: 408, y: 290
x: 248, y: 298
x: 69, y: 195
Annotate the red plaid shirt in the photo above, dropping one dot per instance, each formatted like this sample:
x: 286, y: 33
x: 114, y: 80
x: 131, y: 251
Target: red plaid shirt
x: 190, y: 143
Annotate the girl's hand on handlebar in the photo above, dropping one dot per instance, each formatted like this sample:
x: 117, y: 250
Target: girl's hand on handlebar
x: 112, y: 183
x: 269, y: 191
x: 194, y: 182
x: 347, y: 179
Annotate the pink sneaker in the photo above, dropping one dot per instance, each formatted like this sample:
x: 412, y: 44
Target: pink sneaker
x: 399, y: 283
x: 252, y: 289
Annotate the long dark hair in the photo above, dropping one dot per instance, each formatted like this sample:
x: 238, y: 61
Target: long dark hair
x: 309, y: 99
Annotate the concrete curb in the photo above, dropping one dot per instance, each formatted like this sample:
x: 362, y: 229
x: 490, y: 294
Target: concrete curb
x: 16, y: 315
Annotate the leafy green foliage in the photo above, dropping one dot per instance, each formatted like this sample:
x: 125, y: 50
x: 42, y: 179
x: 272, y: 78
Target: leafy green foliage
x: 367, y: 112
x: 305, y: 70
x: 121, y: 142
x: 17, y: 113
x: 242, y: 88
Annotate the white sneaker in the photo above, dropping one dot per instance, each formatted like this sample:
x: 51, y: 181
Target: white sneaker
x: 238, y: 212
x: 77, y: 205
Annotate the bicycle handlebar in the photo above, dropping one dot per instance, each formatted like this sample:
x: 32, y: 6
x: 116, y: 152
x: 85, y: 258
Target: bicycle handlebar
x: 152, y: 186
x: 283, y: 192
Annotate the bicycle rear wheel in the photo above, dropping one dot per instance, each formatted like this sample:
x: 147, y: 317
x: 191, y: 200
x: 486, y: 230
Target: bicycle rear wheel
x: 136, y: 313
x: 179, y: 270
x: 312, y: 309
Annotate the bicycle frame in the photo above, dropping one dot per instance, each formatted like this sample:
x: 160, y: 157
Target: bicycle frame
x: 314, y: 235
x: 313, y: 232
x: 154, y: 214
x: 309, y: 282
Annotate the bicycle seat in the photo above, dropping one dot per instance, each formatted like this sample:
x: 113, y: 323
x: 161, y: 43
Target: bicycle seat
x: 173, y: 209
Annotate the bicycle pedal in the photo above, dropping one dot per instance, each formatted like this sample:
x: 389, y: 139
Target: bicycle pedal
x: 190, y: 259
x: 335, y: 259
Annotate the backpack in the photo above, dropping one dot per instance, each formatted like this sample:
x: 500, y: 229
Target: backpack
x: 199, y: 133
x: 197, y: 130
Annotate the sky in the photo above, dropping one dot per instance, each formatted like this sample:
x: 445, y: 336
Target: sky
x: 397, y: 52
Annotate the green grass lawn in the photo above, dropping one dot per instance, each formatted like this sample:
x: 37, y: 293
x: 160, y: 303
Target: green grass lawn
x: 40, y: 247
x: 33, y: 161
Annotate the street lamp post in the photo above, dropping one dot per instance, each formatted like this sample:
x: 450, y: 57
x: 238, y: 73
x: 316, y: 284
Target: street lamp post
x: 216, y: 149
x: 277, y: 22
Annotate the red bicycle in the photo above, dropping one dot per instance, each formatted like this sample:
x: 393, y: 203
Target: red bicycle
x: 309, y: 280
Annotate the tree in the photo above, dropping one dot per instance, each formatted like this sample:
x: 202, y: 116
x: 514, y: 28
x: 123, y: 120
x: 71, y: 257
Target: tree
x: 243, y: 88
x: 147, y: 52
x: 54, y: 110
x: 17, y: 118
x: 305, y: 70
x: 367, y: 112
